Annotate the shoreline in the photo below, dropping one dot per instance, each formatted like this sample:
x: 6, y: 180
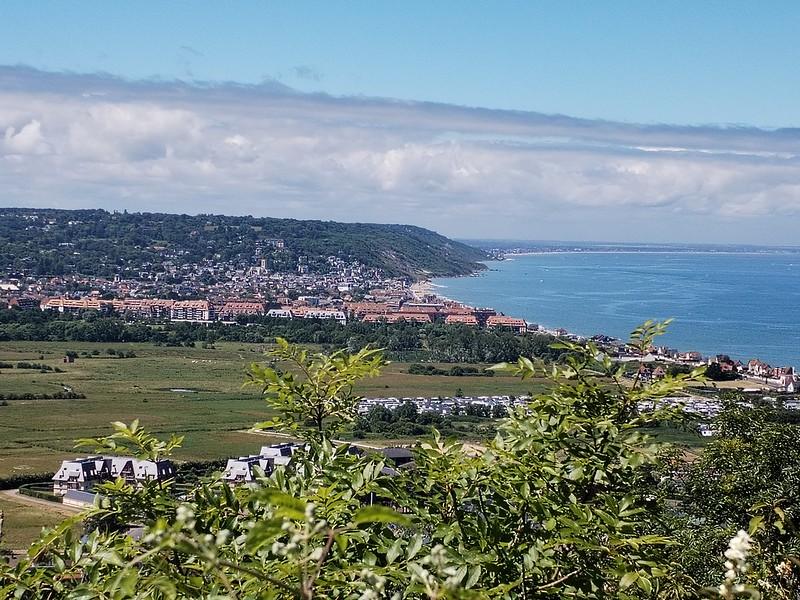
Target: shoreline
x: 429, y: 288
x: 510, y: 254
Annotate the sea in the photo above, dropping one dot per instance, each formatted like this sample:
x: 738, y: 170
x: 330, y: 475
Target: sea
x: 744, y: 303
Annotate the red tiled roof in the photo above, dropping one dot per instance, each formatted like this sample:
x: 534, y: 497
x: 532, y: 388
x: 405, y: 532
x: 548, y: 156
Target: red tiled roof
x: 468, y: 319
x: 503, y: 321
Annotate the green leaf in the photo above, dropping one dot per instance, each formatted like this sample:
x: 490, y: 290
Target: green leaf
x: 414, y: 546
x: 755, y: 524
x: 394, y: 551
x: 288, y: 506
x: 379, y: 514
x: 474, y: 576
x: 576, y: 474
x: 628, y: 580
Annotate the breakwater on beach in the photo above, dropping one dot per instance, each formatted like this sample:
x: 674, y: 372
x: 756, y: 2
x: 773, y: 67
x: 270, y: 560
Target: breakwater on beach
x: 743, y: 304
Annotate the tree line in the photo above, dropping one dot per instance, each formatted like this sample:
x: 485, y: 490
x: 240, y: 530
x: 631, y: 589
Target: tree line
x: 432, y: 342
x: 408, y: 421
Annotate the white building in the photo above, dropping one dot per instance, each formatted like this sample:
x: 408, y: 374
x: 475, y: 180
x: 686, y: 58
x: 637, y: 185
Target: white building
x: 245, y: 469
x: 84, y: 473
x: 79, y: 474
x: 280, y: 454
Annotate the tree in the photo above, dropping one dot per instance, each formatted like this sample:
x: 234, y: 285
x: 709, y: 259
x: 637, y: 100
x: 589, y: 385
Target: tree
x: 715, y: 373
x: 407, y: 411
x: 316, y: 395
x: 747, y: 478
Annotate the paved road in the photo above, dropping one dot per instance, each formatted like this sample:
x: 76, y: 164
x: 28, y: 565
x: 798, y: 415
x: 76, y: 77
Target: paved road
x: 15, y: 496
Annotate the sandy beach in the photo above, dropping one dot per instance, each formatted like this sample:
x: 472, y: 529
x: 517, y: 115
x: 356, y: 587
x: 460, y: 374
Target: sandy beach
x: 420, y: 289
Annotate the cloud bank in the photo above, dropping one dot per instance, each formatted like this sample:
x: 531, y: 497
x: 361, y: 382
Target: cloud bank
x: 72, y: 140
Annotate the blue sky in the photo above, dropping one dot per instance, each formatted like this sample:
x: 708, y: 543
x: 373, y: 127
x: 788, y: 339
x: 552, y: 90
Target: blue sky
x: 91, y: 114
x: 676, y: 62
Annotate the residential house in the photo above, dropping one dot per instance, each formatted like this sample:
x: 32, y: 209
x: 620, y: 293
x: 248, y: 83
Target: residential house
x: 232, y: 309
x: 336, y: 315
x: 79, y: 474
x: 280, y: 454
x: 138, y: 471
x: 84, y: 473
x: 245, y: 468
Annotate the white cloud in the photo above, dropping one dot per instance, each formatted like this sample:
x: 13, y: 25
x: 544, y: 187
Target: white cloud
x: 28, y: 140
x: 77, y: 140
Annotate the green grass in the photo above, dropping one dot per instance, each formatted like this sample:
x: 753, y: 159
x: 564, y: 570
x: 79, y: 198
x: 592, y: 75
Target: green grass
x: 23, y: 522
x: 673, y: 435
x: 35, y: 435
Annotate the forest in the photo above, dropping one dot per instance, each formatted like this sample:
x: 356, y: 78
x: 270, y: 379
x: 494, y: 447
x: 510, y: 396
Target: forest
x: 43, y: 242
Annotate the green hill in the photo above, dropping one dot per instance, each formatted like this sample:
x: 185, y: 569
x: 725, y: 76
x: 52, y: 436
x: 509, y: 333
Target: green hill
x: 97, y: 242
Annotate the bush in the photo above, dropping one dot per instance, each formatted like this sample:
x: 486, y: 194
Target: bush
x: 12, y: 482
x: 30, y: 490
x: 34, y: 366
x: 569, y: 501
x: 454, y: 371
x: 64, y: 395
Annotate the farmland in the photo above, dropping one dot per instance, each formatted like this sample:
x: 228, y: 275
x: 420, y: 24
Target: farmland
x: 194, y: 392
x: 25, y: 518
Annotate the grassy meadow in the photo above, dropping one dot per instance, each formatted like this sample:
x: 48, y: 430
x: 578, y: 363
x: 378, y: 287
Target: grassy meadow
x: 23, y: 521
x: 35, y: 435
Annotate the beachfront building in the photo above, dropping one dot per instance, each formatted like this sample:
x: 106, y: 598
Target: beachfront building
x: 193, y: 311
x: 397, y: 317
x: 508, y: 323
x: 67, y: 305
x: 335, y: 315
x: 469, y: 320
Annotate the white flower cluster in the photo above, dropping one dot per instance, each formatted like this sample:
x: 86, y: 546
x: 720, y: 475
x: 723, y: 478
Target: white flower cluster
x: 436, y: 572
x: 375, y: 586
x: 301, y: 537
x: 736, y: 564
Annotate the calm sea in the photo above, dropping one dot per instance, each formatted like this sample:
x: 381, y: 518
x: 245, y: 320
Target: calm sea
x: 746, y: 305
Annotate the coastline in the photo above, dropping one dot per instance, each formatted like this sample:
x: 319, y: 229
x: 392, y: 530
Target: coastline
x: 510, y: 255
x: 741, y: 349
x: 425, y: 287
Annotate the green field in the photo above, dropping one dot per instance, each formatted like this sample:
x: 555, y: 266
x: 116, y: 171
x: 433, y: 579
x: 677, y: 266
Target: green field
x: 35, y: 435
x: 23, y: 522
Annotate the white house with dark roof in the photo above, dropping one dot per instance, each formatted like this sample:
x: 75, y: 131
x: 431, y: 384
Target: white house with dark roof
x: 83, y: 473
x: 153, y: 470
x: 79, y: 474
x: 245, y: 469
x: 280, y: 454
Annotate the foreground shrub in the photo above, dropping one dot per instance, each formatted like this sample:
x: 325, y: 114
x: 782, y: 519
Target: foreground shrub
x: 566, y: 501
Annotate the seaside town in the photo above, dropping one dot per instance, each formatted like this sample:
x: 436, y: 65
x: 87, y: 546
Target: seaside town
x: 408, y: 301
x: 342, y: 291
